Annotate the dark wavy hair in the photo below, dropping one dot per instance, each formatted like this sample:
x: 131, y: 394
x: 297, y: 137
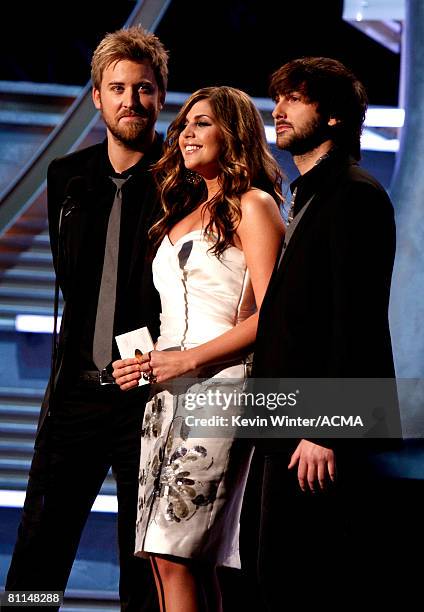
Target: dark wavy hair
x: 336, y: 91
x: 245, y: 161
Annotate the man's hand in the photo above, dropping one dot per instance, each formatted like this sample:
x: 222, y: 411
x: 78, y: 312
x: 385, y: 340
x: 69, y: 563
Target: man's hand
x: 126, y: 373
x: 315, y: 465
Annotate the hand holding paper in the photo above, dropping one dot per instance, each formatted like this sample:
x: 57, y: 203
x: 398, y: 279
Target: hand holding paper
x: 132, y: 346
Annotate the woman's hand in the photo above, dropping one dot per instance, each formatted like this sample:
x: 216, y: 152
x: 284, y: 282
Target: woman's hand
x: 159, y: 366
x: 126, y: 373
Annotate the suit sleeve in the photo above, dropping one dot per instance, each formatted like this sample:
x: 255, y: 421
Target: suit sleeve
x: 362, y: 255
x: 362, y: 236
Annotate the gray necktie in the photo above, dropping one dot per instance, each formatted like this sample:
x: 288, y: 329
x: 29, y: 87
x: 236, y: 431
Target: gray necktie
x: 103, y: 330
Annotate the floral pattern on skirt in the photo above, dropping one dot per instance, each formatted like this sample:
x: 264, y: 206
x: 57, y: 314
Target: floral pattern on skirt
x: 190, y: 489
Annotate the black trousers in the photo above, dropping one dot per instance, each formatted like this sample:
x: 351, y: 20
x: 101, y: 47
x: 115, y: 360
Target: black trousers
x: 89, y: 431
x: 341, y: 548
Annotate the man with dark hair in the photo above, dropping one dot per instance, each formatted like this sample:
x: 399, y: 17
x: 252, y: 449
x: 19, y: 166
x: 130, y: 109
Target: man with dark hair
x: 337, y: 94
x: 101, y: 203
x: 325, y: 315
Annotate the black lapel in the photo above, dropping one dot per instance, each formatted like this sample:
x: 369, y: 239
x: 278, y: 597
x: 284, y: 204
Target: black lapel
x: 327, y: 183
x: 98, y: 195
x: 98, y: 170
x: 148, y: 205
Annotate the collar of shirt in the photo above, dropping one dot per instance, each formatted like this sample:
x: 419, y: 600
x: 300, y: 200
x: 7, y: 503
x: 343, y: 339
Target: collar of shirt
x: 150, y: 157
x: 307, y: 184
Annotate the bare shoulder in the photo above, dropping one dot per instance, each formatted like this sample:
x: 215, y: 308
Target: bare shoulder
x: 259, y: 206
x: 257, y: 200
x: 260, y: 219
x: 259, y: 236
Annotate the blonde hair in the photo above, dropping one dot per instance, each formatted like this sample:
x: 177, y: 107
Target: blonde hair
x: 134, y: 44
x: 244, y: 162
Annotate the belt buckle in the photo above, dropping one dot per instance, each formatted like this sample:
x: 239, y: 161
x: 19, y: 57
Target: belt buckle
x: 103, y: 375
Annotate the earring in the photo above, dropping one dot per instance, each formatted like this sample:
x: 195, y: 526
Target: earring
x: 192, y: 178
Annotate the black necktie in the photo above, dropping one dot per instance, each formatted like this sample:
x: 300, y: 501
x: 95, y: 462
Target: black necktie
x: 103, y: 330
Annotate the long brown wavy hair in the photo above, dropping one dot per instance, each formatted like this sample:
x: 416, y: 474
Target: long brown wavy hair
x: 245, y: 161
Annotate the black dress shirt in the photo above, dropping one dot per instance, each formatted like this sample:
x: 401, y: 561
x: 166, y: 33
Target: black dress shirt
x: 99, y: 208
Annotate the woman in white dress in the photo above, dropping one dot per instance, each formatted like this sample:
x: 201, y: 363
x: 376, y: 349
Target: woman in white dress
x: 216, y: 243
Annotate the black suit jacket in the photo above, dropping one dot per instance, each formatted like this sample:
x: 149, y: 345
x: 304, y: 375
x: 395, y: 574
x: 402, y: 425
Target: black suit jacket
x: 325, y: 313
x: 80, y: 202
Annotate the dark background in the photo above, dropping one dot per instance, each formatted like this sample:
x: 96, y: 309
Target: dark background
x: 231, y: 42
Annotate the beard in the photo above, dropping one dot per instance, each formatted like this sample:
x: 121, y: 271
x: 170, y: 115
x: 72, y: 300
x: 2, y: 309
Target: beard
x: 133, y: 133
x: 308, y: 138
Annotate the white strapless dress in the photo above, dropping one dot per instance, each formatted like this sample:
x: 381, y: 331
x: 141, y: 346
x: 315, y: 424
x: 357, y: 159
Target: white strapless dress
x: 191, y: 488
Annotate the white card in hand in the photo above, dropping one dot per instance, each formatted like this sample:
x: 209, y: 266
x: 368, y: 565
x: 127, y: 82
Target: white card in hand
x: 129, y: 344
